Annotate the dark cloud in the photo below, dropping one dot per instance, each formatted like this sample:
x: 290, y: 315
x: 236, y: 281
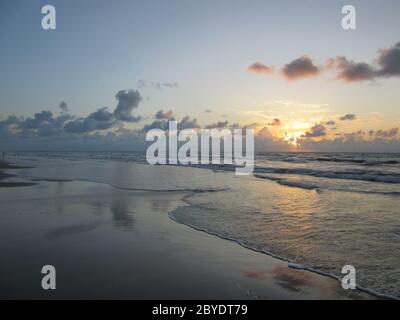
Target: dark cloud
x: 387, y: 134
x: 260, y: 68
x: 102, y: 115
x: 218, y: 125
x: 348, y: 117
x: 38, y: 120
x: 157, y: 124
x: 330, y: 123
x: 318, y: 130
x: 45, y: 124
x: 387, y: 65
x: 62, y: 119
x: 207, y: 111
x: 55, y: 127
x: 302, y: 67
x: 389, y: 61
x: 127, y: 101
x: 163, y: 124
x: 351, y: 71
x: 187, y: 123
x: 168, y: 115
x: 359, y: 134
x: 384, y: 134
x: 7, y: 124
x: 102, y: 119
x: 63, y: 107
x: 275, y: 122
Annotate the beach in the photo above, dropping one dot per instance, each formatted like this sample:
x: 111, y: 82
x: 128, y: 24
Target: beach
x: 111, y: 242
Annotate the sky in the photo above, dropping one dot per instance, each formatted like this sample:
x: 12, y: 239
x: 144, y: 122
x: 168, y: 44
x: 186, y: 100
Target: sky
x: 288, y: 69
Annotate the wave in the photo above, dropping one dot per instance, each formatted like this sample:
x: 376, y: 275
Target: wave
x: 291, y: 264
x: 358, y: 161
x: 316, y: 187
x: 339, y: 160
x: 351, y: 174
x: 330, y: 275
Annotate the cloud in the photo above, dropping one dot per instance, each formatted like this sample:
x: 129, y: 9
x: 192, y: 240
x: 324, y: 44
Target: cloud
x: 102, y: 115
x: 387, y: 65
x: 351, y: 71
x: 63, y: 107
x: 207, y: 111
x: 38, y: 120
x: 187, y: 123
x: 167, y: 84
x: 169, y: 115
x: 300, y: 68
x: 45, y: 124
x: 330, y: 123
x: 6, y: 129
x: 350, y: 143
x: 275, y: 122
x: 163, y: 124
x: 260, y: 68
x: 389, y: 61
x: 218, y: 125
x: 55, y: 127
x: 127, y: 101
x: 157, y: 124
x: 156, y: 85
x: 348, y: 117
x: 318, y: 130
x: 102, y: 119
x: 387, y: 134
x: 88, y: 134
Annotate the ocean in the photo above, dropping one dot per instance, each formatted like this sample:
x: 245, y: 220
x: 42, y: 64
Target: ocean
x: 318, y: 211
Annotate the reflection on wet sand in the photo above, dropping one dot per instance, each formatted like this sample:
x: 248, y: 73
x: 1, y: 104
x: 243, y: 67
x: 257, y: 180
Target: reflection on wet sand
x: 121, y: 213
x: 292, y: 279
x: 71, y: 230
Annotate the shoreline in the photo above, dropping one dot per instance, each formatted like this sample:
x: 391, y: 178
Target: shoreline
x: 290, y: 264
x: 286, y: 283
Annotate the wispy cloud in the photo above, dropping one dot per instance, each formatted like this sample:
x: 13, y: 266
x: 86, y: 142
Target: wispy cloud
x: 141, y: 84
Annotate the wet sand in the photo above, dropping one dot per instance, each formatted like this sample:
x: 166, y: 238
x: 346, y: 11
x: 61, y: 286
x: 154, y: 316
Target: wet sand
x: 108, y: 243
x: 4, y: 175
